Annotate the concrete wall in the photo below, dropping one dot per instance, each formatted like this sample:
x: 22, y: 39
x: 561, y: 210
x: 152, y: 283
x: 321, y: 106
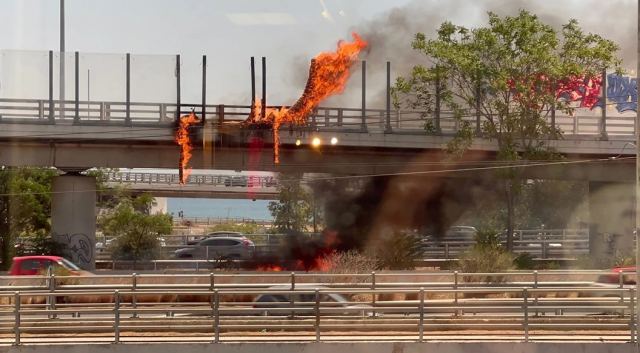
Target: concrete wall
x: 364, y: 347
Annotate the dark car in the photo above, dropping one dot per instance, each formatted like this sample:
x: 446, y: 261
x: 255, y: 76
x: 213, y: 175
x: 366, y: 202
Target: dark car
x: 218, y: 248
x: 216, y: 234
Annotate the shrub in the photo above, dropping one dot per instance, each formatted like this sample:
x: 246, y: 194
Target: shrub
x: 524, y: 261
x: 399, y: 252
x: 483, y: 259
x: 244, y: 228
x: 350, y: 262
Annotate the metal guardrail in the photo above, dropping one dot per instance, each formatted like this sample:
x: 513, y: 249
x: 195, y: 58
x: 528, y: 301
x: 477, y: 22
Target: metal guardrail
x: 544, y: 244
x: 313, y: 314
x: 331, y: 118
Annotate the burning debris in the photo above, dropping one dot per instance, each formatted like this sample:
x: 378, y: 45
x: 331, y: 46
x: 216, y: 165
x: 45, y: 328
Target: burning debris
x: 328, y: 75
x: 184, y: 141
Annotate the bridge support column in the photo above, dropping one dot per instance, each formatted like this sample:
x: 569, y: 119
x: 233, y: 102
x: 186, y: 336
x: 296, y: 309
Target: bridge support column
x: 73, y: 218
x: 612, y: 220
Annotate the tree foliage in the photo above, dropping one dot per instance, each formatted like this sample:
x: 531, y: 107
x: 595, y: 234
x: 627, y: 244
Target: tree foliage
x: 509, y: 72
x: 293, y: 211
x: 25, y: 209
x: 136, y: 232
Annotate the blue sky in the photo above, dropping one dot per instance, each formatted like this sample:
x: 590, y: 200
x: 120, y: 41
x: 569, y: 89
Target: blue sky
x: 287, y: 32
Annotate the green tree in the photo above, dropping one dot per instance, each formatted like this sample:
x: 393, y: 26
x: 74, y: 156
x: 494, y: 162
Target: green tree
x: 508, y: 73
x: 136, y: 232
x: 25, y: 209
x: 293, y: 212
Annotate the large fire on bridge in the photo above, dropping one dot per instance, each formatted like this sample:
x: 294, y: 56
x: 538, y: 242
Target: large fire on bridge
x: 328, y: 75
x: 183, y: 140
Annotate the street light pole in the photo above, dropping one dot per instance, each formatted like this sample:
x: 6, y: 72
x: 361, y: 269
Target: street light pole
x: 62, y: 63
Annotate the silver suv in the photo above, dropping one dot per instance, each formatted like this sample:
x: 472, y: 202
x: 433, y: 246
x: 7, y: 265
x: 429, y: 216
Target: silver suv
x: 219, y: 248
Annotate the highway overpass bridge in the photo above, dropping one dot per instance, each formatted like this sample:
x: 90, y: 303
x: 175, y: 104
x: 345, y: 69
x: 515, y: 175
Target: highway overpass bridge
x: 133, y: 132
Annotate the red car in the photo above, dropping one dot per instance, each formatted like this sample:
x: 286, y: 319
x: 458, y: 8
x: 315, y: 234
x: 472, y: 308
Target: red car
x: 38, y: 264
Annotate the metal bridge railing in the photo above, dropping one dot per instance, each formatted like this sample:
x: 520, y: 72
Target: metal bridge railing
x: 323, y: 118
x: 317, y: 314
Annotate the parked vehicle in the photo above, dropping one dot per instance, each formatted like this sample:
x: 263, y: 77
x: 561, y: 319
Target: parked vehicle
x: 219, y: 247
x: 39, y: 264
x: 304, y: 304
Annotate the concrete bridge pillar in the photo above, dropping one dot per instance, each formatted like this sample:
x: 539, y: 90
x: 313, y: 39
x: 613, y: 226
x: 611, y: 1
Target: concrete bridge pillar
x: 612, y: 220
x: 73, y: 218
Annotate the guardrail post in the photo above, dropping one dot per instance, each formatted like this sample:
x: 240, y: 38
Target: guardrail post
x: 220, y: 114
x: 526, y: 314
x: 216, y: 310
x: 455, y: 289
x: 127, y: 111
x: 446, y: 251
x: 41, y: 110
x: 52, y: 118
x: 51, y: 297
x: 317, y: 314
x: 621, y: 286
x: 116, y: 316
x: 327, y: 119
x: 632, y: 316
x: 373, y: 287
x: 421, y: 325
x: 16, y: 314
x: 340, y: 115
x: 535, y: 285
x: 134, y: 301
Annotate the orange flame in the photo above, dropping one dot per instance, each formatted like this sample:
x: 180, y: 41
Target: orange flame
x: 328, y: 75
x: 184, y: 141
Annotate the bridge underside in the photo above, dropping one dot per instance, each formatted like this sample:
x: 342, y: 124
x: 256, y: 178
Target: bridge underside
x: 333, y: 160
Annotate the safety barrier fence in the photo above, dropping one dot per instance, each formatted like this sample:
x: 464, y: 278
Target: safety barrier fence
x: 118, y: 113
x: 318, y: 313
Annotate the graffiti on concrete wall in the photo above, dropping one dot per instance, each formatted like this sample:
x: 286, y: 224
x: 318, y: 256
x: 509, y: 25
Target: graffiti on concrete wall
x: 77, y: 247
x: 623, y: 92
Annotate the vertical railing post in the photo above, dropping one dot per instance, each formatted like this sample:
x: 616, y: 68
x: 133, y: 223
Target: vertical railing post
x: 387, y: 128
x: 317, y: 315
x: 51, y: 104
x: 134, y: 301
x: 264, y: 88
x: 220, y: 114
x: 127, y: 114
x: 40, y: 110
x: 632, y: 316
x: 363, y: 123
x: 116, y: 316
x: 51, y: 296
x: 553, y: 108
x: 327, y: 119
x: 455, y: 291
x: 178, y: 103
x: 373, y: 287
x: 603, y: 117
x: 76, y: 117
x: 216, y: 310
x: 204, y: 89
x: 535, y: 286
x: 478, y: 108
x: 340, y: 115
x: 421, y: 325
x: 436, y: 112
x: 525, y: 308
x: 16, y: 315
